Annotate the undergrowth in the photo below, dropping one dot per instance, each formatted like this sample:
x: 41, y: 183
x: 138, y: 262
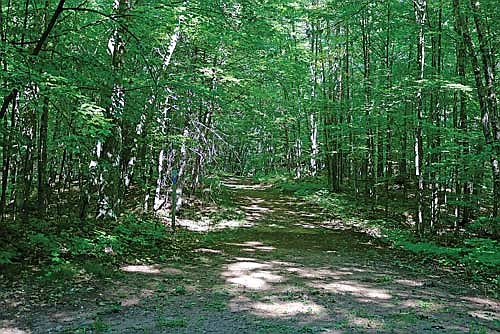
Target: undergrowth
x: 64, y: 248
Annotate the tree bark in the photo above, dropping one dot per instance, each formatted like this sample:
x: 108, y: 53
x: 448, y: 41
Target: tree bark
x: 486, y: 92
x: 420, y: 16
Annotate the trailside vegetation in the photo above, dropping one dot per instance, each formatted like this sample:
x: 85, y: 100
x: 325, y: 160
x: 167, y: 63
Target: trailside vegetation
x: 106, y: 107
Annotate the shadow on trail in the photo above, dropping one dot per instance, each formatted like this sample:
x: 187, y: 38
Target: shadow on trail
x: 292, y: 265
x: 288, y: 271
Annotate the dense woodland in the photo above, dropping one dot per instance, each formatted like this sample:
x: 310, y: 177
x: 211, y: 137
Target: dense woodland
x: 392, y: 101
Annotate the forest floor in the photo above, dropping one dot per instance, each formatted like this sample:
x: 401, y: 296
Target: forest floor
x: 286, y: 268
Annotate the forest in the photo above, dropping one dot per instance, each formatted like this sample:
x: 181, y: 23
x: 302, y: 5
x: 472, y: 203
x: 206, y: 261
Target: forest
x: 125, y: 124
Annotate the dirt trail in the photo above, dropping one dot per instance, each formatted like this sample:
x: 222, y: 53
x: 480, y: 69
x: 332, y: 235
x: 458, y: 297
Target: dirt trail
x: 286, y: 271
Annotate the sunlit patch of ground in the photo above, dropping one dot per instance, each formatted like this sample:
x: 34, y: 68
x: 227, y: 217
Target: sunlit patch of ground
x: 209, y: 225
x: 409, y: 283
x: 238, y: 186
x: 287, y: 309
x: 251, y: 275
x: 483, y: 301
x: 150, y: 269
x: 485, y: 315
x: 253, y: 246
x: 277, y: 309
x: 12, y: 330
x: 255, y: 207
x: 353, y: 288
x: 351, y: 225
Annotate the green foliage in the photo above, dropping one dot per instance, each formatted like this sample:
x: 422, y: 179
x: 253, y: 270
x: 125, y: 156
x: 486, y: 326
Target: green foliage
x: 306, y: 187
x: 63, y: 272
x: 180, y: 290
x: 6, y: 256
x: 171, y: 323
x: 99, y: 325
x: 482, y: 252
x: 485, y: 226
x: 212, y: 189
x: 43, y: 244
x: 430, y: 249
x: 69, y: 249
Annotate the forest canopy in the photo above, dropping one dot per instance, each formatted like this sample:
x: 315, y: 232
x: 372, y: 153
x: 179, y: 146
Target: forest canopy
x: 393, y: 101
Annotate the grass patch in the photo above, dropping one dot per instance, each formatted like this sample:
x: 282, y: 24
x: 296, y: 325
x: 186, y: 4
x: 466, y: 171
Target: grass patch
x: 171, y: 323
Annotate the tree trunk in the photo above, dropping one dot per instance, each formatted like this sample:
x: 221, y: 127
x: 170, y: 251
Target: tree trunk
x: 42, y: 158
x: 486, y: 92
x: 420, y: 16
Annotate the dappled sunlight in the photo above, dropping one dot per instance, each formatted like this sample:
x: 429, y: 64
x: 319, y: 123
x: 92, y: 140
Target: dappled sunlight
x: 314, y: 273
x: 293, y: 269
x: 232, y: 224
x: 150, y: 269
x: 421, y: 305
x: 252, y: 246
x: 250, y: 274
x: 332, y: 331
x: 277, y: 308
x: 145, y: 269
x: 259, y: 280
x: 351, y: 270
x: 288, y: 309
x: 408, y: 282
x: 306, y: 225
x: 351, y: 225
x: 334, y: 287
x: 493, y: 312
x: 208, y: 250
x: 277, y: 226
x: 353, y: 288
x: 265, y: 248
x: 282, y: 263
x: 246, y: 266
x: 485, y: 315
x: 239, y: 186
x: 253, y: 199
x: 13, y: 330
x: 194, y: 225
x: 208, y: 225
x: 483, y: 301
x: 255, y: 207
x: 364, y: 322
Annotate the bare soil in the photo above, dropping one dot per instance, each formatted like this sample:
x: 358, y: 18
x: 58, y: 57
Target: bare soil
x: 283, y: 267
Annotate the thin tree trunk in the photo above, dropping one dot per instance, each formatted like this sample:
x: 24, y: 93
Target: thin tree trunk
x: 7, y: 153
x: 490, y: 117
x: 420, y: 16
x: 42, y: 158
x: 368, y: 164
